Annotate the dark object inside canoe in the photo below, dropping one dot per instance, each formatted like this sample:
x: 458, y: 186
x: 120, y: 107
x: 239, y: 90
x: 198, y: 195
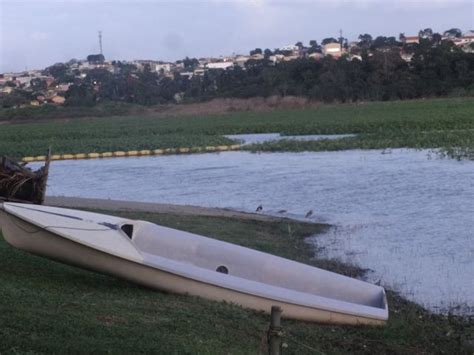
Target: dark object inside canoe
x: 21, y: 184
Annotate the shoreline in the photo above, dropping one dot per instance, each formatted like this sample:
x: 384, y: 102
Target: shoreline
x: 153, y: 207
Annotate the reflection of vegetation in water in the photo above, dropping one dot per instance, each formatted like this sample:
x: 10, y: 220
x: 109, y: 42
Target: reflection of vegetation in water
x: 49, y: 307
x: 417, y: 124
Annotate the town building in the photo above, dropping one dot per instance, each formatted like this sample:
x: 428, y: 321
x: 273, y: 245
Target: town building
x: 220, y: 65
x: 332, y: 49
x: 410, y: 39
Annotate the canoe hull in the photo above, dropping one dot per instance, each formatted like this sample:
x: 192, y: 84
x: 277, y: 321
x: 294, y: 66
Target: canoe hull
x: 33, y: 239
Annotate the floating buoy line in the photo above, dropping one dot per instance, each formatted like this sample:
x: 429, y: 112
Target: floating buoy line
x: 134, y: 153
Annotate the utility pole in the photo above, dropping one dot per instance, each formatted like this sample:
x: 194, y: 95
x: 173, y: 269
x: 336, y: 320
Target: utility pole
x: 100, y: 42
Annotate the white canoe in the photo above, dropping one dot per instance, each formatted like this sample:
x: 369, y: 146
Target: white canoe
x: 180, y: 262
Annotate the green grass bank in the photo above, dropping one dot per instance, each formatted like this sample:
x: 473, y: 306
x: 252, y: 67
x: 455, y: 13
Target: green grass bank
x: 48, y: 307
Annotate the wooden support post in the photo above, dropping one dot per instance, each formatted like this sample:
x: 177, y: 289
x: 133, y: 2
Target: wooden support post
x: 45, y: 181
x: 275, y: 332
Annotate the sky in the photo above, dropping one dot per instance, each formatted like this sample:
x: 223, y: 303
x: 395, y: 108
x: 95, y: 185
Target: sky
x: 36, y: 34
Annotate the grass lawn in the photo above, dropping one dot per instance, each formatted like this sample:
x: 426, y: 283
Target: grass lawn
x: 434, y: 123
x: 49, y: 307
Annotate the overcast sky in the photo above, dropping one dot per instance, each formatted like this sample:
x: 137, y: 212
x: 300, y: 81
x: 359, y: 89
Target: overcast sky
x: 35, y: 34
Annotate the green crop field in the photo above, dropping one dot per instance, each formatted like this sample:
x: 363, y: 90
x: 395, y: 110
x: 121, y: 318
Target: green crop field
x: 48, y: 307
x: 440, y: 123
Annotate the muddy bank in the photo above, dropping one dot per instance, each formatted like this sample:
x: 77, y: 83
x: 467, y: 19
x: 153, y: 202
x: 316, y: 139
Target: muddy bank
x: 117, y: 205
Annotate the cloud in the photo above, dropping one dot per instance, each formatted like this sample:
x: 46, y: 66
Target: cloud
x: 39, y: 36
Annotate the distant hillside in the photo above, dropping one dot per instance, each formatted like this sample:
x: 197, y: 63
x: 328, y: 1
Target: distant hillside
x: 380, y: 69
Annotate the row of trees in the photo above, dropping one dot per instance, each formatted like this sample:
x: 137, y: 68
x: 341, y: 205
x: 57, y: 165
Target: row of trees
x: 436, y: 69
x: 144, y: 88
x: 383, y: 76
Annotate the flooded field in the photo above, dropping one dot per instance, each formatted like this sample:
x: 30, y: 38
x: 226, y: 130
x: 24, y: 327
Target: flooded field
x: 406, y: 215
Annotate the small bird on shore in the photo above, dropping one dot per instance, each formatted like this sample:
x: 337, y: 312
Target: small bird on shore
x: 259, y: 208
x: 282, y: 211
x: 309, y: 214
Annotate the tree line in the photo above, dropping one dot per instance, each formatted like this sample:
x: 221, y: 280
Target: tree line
x: 435, y: 69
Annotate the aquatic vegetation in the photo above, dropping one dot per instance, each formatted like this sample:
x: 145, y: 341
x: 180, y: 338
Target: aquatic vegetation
x: 457, y: 144
x: 440, y: 123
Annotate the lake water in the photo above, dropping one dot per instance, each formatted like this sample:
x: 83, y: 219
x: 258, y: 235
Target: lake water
x: 406, y: 215
x: 255, y: 138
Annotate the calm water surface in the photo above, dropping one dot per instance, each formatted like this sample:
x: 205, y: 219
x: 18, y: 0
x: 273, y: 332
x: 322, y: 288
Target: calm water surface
x: 405, y: 215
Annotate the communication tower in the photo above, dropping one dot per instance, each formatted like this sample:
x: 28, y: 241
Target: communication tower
x: 100, y: 42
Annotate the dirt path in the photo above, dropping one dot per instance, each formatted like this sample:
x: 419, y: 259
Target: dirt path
x: 116, y: 205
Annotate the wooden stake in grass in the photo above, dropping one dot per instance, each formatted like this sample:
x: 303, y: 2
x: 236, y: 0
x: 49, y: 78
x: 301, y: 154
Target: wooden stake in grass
x: 42, y: 188
x: 275, y: 332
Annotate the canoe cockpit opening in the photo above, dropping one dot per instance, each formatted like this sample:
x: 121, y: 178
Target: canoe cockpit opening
x: 222, y: 269
x: 127, y: 229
